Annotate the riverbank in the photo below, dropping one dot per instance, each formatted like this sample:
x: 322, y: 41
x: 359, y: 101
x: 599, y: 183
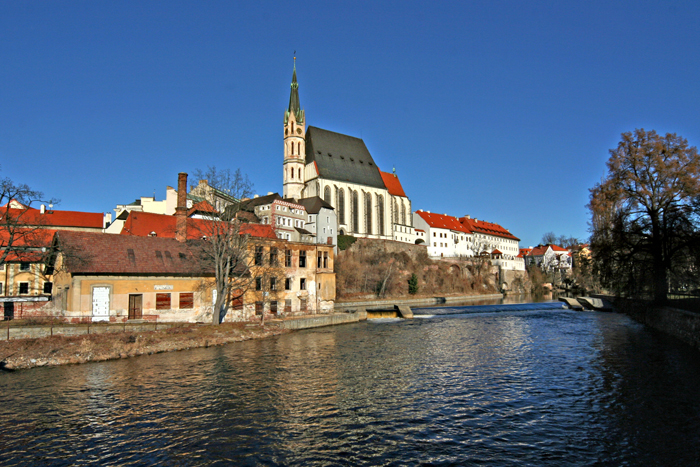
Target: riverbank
x: 103, y: 344
x: 56, y: 350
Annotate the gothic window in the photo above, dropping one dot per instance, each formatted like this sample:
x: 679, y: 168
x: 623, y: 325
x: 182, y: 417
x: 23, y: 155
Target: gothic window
x: 368, y: 213
x: 354, y: 211
x: 298, y: 149
x: 327, y: 194
x: 299, y: 173
x: 380, y: 214
x: 341, y: 206
x: 403, y: 213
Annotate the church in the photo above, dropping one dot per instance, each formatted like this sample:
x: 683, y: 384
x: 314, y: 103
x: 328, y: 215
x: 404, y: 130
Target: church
x: 339, y: 169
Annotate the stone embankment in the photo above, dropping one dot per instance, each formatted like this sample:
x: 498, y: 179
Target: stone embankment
x: 682, y: 324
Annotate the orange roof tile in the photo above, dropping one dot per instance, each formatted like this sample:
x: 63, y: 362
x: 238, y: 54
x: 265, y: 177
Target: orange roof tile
x: 54, y: 218
x: 392, y: 183
x: 442, y: 221
x: 142, y: 224
x: 489, y: 228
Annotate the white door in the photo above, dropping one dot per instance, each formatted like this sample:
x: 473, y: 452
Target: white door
x: 100, y: 304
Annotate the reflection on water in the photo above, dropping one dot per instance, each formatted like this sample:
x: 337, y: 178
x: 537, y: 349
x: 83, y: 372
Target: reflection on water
x: 538, y: 387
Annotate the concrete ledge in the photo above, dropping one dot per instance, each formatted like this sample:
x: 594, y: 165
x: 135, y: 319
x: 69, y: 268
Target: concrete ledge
x: 425, y: 301
x: 316, y: 321
x: 572, y: 303
x: 8, y: 332
x: 405, y: 311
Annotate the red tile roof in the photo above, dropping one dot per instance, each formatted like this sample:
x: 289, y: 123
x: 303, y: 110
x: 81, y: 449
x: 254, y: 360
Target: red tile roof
x: 142, y: 224
x: 442, y: 221
x: 488, y: 228
x: 392, y: 183
x: 202, y: 206
x: 27, y: 238
x: 101, y: 253
x: 54, y: 218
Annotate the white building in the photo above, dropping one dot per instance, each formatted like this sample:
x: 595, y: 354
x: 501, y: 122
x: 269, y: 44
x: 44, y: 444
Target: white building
x: 339, y: 169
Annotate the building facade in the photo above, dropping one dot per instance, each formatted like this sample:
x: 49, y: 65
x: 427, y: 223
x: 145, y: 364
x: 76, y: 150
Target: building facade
x: 340, y: 170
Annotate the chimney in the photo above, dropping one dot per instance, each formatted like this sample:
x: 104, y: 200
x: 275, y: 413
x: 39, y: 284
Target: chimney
x: 181, y: 209
x: 42, y: 209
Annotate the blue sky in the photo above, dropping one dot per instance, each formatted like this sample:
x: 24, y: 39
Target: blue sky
x: 502, y: 110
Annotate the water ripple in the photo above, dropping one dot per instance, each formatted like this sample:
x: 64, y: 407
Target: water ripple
x: 534, y: 387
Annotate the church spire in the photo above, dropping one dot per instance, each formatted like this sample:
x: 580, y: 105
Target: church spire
x: 294, y: 106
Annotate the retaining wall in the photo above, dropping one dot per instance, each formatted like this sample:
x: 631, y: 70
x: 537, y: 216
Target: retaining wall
x: 320, y: 320
x: 684, y: 325
x: 34, y: 332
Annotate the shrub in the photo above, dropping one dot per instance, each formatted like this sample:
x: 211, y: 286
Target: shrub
x: 344, y: 241
x: 413, y: 284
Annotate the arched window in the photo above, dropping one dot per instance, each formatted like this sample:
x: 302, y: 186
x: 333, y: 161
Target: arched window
x: 354, y: 211
x: 299, y: 149
x: 292, y: 174
x: 396, y: 212
x: 380, y: 214
x: 327, y: 194
x: 299, y: 173
x: 403, y: 213
x: 341, y: 206
x: 368, y: 213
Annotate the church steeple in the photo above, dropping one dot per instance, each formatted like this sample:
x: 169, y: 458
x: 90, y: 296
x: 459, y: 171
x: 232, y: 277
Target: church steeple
x: 294, y: 143
x: 294, y: 106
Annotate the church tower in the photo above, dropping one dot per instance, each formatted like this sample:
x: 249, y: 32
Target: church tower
x: 294, y: 143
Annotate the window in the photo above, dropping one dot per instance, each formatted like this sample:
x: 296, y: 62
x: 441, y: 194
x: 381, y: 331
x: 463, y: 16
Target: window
x: 273, y: 256
x: 24, y: 287
x: 186, y: 300
x: 1, y: 287
x: 302, y: 259
x: 24, y: 266
x: 288, y: 258
x: 273, y: 283
x: 320, y: 260
x: 48, y: 287
x: 302, y: 305
x: 258, y: 308
x: 433, y: 234
x: 273, y: 306
x: 288, y: 305
x: 302, y: 284
x: 258, y: 283
x: 258, y: 255
x: 287, y: 284
x: 162, y: 301
x: 325, y: 259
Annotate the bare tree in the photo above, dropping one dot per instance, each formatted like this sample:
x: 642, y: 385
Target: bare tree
x: 19, y: 228
x: 226, y: 245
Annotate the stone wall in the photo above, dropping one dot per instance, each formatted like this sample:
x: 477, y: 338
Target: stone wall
x: 684, y: 325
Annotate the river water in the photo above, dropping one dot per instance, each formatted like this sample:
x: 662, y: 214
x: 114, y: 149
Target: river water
x: 537, y: 387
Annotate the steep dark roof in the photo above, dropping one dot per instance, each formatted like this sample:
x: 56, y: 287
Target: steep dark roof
x: 342, y: 158
x: 314, y: 204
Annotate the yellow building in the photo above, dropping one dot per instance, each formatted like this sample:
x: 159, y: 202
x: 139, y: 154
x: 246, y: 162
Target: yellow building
x: 102, y: 277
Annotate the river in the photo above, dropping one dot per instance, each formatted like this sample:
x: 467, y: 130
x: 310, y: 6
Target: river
x: 537, y: 387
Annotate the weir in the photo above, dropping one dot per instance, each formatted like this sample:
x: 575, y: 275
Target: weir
x: 459, y: 310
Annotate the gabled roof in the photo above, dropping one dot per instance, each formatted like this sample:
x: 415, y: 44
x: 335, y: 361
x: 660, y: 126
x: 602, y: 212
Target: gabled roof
x: 487, y: 228
x: 54, y: 218
x: 539, y: 250
x: 314, y: 204
x: 101, y: 253
x: 202, y: 206
x: 392, y: 183
x: 442, y: 221
x: 144, y: 224
x: 251, y: 204
x: 342, y: 158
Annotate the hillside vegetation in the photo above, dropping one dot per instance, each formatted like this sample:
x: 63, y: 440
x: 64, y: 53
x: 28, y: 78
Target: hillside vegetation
x: 382, y: 269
